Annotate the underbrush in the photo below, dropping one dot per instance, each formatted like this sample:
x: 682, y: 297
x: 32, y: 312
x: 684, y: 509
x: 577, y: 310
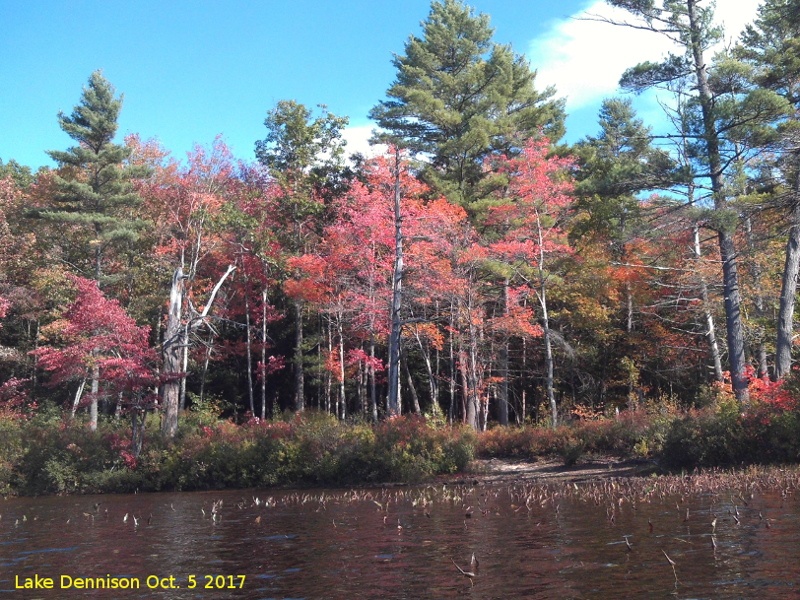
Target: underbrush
x: 50, y: 454
x: 639, y: 433
x: 720, y: 435
x: 725, y: 436
x: 59, y: 456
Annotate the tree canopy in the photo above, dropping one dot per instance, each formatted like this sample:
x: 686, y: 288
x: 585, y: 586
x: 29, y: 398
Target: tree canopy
x: 459, y: 97
x: 476, y: 270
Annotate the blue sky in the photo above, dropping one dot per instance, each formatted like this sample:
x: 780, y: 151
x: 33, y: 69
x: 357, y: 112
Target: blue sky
x: 194, y: 69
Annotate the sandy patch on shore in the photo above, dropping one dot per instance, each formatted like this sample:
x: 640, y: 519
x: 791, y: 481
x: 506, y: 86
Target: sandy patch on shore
x: 553, y: 469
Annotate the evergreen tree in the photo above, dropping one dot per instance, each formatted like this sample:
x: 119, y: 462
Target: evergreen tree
x: 614, y: 167
x: 771, y: 45
x: 459, y: 97
x: 726, y: 123
x: 94, y: 189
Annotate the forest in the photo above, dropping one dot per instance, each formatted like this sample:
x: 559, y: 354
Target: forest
x: 478, y: 271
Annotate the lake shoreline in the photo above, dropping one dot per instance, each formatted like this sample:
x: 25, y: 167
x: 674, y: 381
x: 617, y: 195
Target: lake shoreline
x: 544, y: 469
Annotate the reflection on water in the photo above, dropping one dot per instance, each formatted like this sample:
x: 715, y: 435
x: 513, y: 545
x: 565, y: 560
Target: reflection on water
x: 603, y: 539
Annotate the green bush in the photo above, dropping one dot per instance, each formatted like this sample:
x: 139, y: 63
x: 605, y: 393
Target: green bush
x: 725, y: 436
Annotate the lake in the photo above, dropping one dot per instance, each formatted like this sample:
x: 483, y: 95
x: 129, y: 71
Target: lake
x: 709, y: 536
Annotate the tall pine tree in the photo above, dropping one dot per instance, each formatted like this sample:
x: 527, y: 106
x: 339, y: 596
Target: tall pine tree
x: 771, y: 45
x: 303, y: 155
x: 725, y: 123
x: 94, y: 189
x: 460, y: 97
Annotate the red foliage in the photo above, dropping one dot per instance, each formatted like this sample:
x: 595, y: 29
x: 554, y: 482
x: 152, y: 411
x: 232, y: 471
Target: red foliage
x: 97, y: 332
x: 358, y: 356
x: 273, y: 365
x: 533, y: 211
x: 4, y: 306
x: 14, y: 398
x: 772, y: 394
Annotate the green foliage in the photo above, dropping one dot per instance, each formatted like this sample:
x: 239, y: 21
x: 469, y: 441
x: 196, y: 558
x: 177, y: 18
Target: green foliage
x: 459, y: 97
x: 11, y: 452
x: 50, y: 455
x: 304, y: 155
x: 207, y: 411
x: 649, y: 74
x: 724, y: 436
x: 20, y: 174
x: 58, y: 457
x: 94, y: 190
x: 295, y: 142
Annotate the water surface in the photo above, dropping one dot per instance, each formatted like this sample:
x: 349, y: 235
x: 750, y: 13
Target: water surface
x: 604, y: 539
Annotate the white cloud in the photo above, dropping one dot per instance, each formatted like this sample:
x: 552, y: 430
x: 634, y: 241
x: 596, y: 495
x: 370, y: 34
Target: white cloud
x: 585, y: 59
x: 357, y: 138
x: 736, y: 14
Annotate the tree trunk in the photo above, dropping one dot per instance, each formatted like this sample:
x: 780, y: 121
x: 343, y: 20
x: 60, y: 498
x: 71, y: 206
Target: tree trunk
x: 727, y: 249
x: 502, y: 395
x: 184, y: 365
x: 758, y: 301
x: 78, y: 396
x: 429, y: 369
x: 175, y: 342
x: 548, y: 360
x: 137, y: 431
x: 342, y: 395
x: 328, y: 374
x: 173, y: 346
x: 469, y: 410
x: 264, y: 354
x: 523, y: 400
x: 411, y: 387
x: 361, y: 390
x: 470, y: 366
x: 393, y: 407
x: 373, y: 384
x: 711, y: 333
x: 95, y: 392
x: 299, y: 372
x: 204, y: 374
x: 783, y: 345
x: 733, y: 317
x: 451, y: 411
x: 249, y: 351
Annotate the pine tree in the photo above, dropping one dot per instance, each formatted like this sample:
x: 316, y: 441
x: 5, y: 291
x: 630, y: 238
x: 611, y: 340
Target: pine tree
x: 726, y: 122
x: 771, y: 45
x: 93, y: 186
x: 459, y: 97
x: 94, y: 189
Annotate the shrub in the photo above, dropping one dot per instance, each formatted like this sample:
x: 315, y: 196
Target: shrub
x: 724, y: 436
x: 630, y: 433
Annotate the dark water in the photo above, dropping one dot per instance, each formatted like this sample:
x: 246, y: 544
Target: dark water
x: 556, y: 541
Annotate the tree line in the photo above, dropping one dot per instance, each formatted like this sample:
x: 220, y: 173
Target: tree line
x: 479, y: 269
